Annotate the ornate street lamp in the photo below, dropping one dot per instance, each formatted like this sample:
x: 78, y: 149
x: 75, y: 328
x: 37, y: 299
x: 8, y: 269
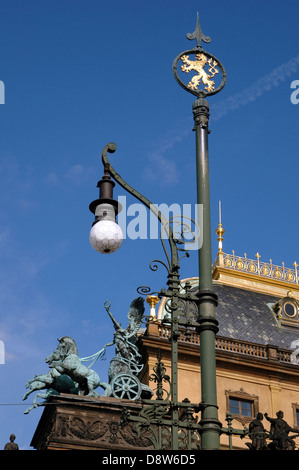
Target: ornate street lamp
x: 169, y: 412
x: 105, y: 235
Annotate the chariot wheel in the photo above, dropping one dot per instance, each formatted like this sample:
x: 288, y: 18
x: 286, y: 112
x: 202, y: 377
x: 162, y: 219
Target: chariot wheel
x: 126, y: 386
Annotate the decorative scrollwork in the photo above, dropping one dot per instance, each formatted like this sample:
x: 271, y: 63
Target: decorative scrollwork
x: 186, y: 236
x: 181, y: 228
x: 155, y: 267
x: 145, y: 290
x: 159, y: 376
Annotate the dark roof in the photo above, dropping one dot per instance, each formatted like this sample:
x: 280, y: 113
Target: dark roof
x: 247, y: 316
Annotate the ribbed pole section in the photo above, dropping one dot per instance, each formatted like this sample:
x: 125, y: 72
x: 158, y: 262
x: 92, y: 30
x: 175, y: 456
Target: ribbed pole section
x: 210, y: 425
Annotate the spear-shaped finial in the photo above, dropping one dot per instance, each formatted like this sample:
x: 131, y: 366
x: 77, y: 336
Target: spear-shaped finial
x: 201, y: 84
x: 198, y: 35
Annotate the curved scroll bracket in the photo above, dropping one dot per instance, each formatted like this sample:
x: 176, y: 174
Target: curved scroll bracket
x: 173, y: 259
x: 177, y: 230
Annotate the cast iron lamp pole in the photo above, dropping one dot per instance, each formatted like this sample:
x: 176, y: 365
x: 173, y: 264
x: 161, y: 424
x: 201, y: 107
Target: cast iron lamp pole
x: 208, y: 324
x: 105, y: 237
x: 207, y: 299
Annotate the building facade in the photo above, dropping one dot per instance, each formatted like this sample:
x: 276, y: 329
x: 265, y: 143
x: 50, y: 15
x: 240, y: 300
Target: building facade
x: 256, y: 345
x: 257, y: 364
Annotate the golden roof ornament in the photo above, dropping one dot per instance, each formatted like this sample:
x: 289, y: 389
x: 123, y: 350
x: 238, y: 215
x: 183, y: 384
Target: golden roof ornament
x: 220, y: 231
x: 241, y: 271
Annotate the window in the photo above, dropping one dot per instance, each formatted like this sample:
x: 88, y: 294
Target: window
x: 286, y: 311
x: 240, y: 407
x: 295, y: 407
x: 290, y: 308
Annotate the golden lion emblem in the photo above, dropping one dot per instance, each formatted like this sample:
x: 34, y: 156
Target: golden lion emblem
x: 198, y: 66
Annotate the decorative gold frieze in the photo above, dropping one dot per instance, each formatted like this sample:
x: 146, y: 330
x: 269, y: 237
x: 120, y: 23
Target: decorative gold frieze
x: 259, y: 268
x: 253, y: 274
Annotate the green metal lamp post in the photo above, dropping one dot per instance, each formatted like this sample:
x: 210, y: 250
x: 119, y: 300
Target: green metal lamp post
x: 208, y: 325
x: 168, y: 412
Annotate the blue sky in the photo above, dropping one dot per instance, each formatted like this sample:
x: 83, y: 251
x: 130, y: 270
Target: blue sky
x: 79, y: 74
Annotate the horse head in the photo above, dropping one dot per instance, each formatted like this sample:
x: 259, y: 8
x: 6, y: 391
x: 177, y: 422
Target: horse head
x: 65, y: 347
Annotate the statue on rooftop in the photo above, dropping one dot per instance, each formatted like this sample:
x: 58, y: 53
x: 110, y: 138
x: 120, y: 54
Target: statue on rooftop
x: 67, y: 374
x: 11, y: 445
x: 126, y: 364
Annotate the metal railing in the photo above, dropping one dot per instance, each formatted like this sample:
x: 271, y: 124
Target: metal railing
x: 232, y: 345
x: 257, y: 267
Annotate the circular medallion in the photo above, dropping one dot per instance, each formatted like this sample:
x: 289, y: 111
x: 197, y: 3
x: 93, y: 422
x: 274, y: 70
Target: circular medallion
x: 199, y: 72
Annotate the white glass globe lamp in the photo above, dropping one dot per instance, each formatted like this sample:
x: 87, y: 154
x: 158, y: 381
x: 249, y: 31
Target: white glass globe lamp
x: 105, y: 235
